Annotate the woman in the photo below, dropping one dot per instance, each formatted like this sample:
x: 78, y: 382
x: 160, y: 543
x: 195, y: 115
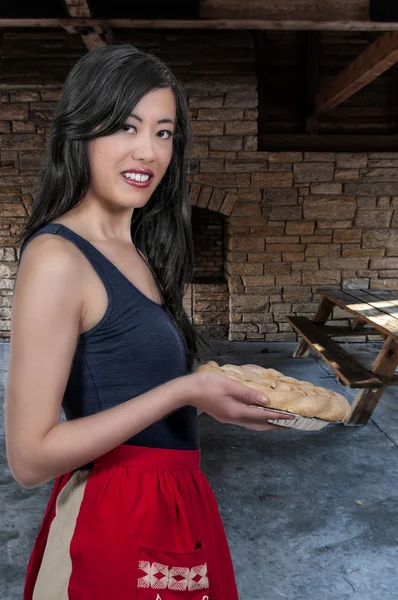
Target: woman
x: 98, y: 327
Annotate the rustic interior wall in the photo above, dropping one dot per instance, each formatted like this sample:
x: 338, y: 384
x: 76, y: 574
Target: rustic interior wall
x: 294, y: 222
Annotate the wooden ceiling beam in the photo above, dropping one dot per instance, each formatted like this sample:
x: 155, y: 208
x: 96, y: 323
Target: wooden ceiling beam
x: 375, y: 60
x: 93, y: 36
x: 237, y: 24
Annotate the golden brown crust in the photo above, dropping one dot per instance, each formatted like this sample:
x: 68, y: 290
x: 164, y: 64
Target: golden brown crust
x: 287, y: 393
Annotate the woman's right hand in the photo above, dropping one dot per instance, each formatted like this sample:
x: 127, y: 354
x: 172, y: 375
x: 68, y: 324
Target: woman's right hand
x: 228, y: 401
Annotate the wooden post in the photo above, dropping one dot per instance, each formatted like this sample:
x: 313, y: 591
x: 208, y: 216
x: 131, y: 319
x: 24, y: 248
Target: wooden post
x: 324, y: 311
x: 384, y: 367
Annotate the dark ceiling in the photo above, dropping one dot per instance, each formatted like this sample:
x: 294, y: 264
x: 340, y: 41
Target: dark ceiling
x: 102, y: 9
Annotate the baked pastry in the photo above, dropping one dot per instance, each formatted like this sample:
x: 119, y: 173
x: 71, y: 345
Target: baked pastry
x: 287, y: 394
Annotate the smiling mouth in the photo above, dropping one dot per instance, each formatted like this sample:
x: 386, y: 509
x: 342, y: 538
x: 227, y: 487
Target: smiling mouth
x: 138, y: 178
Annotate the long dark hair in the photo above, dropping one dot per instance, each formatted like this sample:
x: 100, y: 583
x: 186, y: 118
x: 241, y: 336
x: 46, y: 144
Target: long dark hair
x: 96, y: 100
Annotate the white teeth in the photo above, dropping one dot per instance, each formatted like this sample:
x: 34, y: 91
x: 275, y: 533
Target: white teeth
x: 136, y: 176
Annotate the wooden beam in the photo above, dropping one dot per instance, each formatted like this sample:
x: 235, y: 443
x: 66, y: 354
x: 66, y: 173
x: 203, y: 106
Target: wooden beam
x: 237, y: 24
x: 93, y: 37
x: 371, y: 63
x: 279, y: 142
x: 316, y: 10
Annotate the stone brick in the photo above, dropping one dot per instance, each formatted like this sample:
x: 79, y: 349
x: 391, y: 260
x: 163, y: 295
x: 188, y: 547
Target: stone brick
x: 244, y: 209
x: 384, y: 284
x: 245, y: 268
x: 280, y: 167
x: 280, y: 196
x: 241, y: 127
x: 268, y: 232
x: 380, y: 237
x: 319, y: 156
x: 347, y: 160
x: 318, y: 250
x: 384, y: 263
x: 226, y: 143
x: 24, y: 96
x: 244, y: 165
x: 22, y: 141
x: 251, y: 114
x: 12, y: 210
x: 204, y: 196
x: 366, y: 202
x: 283, y: 239
x: 372, y: 218
x: 344, y: 175
x: 394, y: 222
x: 313, y: 171
x: 206, y: 101
x: 297, y: 294
x: 300, y: 227
x: 254, y: 281
x: 261, y: 317
x: 263, y: 257
x: 322, y: 277
x: 14, y: 112
x: 211, y: 165
x: 286, y: 213
x: 208, y: 128
x: 372, y: 164
x: 244, y: 99
x: 281, y: 248
x: 347, y: 235
x: 244, y: 327
x: 249, y: 195
x: 329, y: 207
x: 317, y: 239
x: 30, y: 160
x: 49, y: 95
x: 243, y: 179
x: 357, y: 250
x: 23, y: 127
x: 291, y: 256
x: 249, y: 243
x: 293, y: 279
x: 220, y: 114
x: 344, y: 263
x: 371, y: 189
x: 326, y: 188
x: 285, y: 157
x: 249, y: 303
x: 383, y: 202
x: 381, y: 174
x: 228, y: 204
x: 217, y: 180
x: 333, y: 224
x: 387, y: 274
x: 250, y: 143
x: 272, y: 179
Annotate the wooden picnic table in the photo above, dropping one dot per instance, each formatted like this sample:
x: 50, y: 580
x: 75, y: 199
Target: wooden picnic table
x: 373, y: 312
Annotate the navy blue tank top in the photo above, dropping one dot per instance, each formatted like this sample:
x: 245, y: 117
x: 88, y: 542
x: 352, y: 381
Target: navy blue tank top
x: 133, y: 349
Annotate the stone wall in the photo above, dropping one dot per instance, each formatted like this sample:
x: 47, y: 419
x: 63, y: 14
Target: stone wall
x: 294, y: 221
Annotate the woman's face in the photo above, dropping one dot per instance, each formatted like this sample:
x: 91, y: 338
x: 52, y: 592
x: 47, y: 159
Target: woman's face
x: 127, y: 166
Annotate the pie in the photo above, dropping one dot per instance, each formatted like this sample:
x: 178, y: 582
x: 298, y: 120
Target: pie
x: 287, y: 394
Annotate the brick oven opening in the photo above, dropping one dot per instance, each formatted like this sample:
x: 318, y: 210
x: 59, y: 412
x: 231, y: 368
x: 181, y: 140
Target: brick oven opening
x: 206, y: 298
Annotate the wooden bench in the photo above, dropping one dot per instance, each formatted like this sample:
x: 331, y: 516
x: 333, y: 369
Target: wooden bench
x: 347, y: 368
x: 372, y: 311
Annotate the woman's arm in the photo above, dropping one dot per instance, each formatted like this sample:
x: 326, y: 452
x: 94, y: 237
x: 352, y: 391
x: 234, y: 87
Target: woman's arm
x: 45, y: 325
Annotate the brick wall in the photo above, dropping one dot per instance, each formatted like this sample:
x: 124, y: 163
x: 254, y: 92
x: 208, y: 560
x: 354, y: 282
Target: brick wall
x: 294, y: 222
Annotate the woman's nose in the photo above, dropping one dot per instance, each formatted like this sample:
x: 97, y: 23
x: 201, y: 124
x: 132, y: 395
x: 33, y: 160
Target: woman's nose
x: 144, y: 148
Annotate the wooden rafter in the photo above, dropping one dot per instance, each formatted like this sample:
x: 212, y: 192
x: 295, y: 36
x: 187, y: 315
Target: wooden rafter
x: 369, y: 65
x: 93, y: 36
x: 242, y: 24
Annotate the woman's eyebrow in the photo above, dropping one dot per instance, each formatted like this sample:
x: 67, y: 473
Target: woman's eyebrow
x: 160, y: 120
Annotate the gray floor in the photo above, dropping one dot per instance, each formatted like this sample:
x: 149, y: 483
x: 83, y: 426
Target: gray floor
x: 309, y: 515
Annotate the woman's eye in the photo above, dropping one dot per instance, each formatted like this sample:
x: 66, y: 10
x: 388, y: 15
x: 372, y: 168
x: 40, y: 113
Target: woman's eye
x: 128, y: 128
x: 165, y: 134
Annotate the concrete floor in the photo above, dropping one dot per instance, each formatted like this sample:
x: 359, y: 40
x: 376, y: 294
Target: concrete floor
x: 309, y: 515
